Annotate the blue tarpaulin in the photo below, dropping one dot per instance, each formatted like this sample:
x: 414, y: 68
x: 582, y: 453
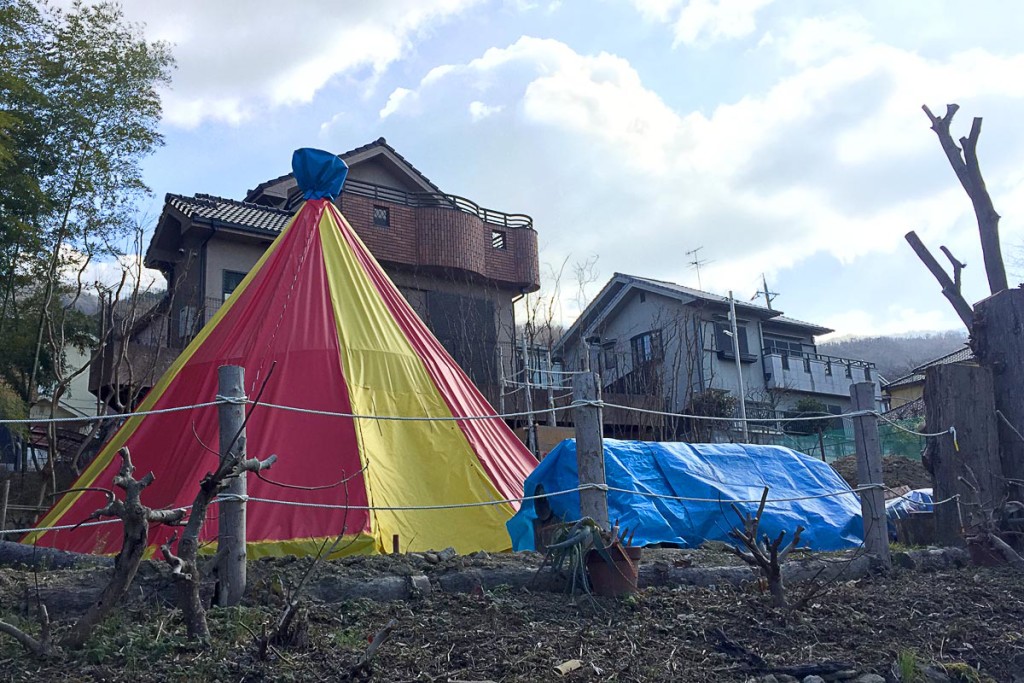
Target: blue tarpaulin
x: 719, y: 474
x: 912, y: 502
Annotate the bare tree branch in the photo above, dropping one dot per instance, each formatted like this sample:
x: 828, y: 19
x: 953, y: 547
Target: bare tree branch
x: 957, y: 266
x: 766, y: 554
x: 950, y: 289
x: 965, y: 164
x: 40, y: 647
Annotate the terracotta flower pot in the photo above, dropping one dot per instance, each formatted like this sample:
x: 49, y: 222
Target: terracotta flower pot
x: 618, y: 577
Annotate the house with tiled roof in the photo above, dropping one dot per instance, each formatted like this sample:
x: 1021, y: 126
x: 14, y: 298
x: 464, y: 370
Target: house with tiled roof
x: 905, y: 395
x: 665, y: 347
x: 460, y: 265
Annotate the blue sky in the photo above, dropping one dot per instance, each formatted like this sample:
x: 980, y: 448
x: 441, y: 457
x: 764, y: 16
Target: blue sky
x: 783, y: 137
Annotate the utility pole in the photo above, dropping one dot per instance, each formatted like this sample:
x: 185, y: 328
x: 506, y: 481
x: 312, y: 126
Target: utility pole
x: 501, y: 380
x: 739, y: 365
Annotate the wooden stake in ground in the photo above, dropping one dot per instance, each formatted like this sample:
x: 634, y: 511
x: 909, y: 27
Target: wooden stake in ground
x: 231, y: 535
x: 869, y: 473
x: 185, y: 569
x: 586, y: 390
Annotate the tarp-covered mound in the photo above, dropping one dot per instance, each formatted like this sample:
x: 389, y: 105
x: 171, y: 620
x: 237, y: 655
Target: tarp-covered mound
x: 717, y: 475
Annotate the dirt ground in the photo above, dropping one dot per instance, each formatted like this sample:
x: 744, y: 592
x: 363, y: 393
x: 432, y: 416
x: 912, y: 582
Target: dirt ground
x: 723, y: 633
x: 896, y: 471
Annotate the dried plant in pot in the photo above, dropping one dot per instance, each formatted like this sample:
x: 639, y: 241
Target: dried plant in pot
x: 597, y: 560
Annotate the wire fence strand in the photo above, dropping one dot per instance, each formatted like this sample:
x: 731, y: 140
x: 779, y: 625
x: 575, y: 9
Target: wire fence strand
x: 507, y: 501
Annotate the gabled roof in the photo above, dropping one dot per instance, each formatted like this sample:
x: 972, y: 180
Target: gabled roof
x: 964, y: 355
x: 612, y: 293
x: 205, y: 208
x: 380, y: 145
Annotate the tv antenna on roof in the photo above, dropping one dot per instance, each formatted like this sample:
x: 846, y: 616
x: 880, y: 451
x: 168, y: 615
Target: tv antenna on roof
x: 697, y: 262
x: 769, y: 295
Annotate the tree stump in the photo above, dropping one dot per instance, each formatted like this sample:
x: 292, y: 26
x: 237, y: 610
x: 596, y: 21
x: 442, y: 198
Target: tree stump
x: 961, y: 396
x: 998, y: 343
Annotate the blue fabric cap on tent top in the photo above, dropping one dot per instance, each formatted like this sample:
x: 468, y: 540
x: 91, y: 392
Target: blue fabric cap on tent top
x: 320, y: 174
x: 716, y: 473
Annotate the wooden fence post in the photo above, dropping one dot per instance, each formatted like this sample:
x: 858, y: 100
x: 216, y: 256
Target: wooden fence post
x: 869, y: 472
x: 231, y: 536
x: 552, y: 418
x: 3, y: 505
x: 531, y: 422
x: 586, y: 386
x: 961, y: 396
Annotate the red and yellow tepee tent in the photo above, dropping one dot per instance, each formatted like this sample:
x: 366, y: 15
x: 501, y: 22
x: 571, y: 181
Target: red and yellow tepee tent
x: 342, y: 339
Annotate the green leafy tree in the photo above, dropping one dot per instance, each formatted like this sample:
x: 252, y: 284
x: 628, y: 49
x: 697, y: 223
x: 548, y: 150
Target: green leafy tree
x: 715, y: 403
x: 17, y: 352
x: 24, y: 159
x: 101, y: 80
x: 79, y: 112
x: 808, y: 407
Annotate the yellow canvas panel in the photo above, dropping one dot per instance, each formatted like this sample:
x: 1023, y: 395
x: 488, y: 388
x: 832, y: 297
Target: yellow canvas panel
x: 407, y: 463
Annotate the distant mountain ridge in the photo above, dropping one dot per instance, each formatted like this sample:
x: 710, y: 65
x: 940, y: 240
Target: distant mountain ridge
x: 896, y: 356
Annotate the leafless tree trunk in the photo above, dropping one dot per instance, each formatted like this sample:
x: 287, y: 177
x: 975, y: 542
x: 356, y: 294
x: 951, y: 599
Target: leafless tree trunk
x: 765, y: 554
x: 964, y: 160
x: 136, y: 518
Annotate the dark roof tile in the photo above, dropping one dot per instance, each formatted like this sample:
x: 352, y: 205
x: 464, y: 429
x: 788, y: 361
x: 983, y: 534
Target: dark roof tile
x: 204, y: 208
x: 776, y: 317
x: 964, y: 355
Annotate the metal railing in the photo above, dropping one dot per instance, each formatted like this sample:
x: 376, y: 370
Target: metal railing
x: 439, y: 200
x: 825, y: 361
x: 835, y: 360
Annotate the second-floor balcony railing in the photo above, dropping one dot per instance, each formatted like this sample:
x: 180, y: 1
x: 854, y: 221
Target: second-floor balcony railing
x: 439, y: 200
x: 815, y: 372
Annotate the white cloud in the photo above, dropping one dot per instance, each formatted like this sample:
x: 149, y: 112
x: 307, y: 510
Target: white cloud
x: 327, y: 126
x: 813, y: 40
x: 394, y: 102
x: 125, y: 271
x: 479, y: 111
x: 704, y: 22
x: 529, y: 5
x: 834, y: 158
x: 237, y: 57
x: 884, y: 320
